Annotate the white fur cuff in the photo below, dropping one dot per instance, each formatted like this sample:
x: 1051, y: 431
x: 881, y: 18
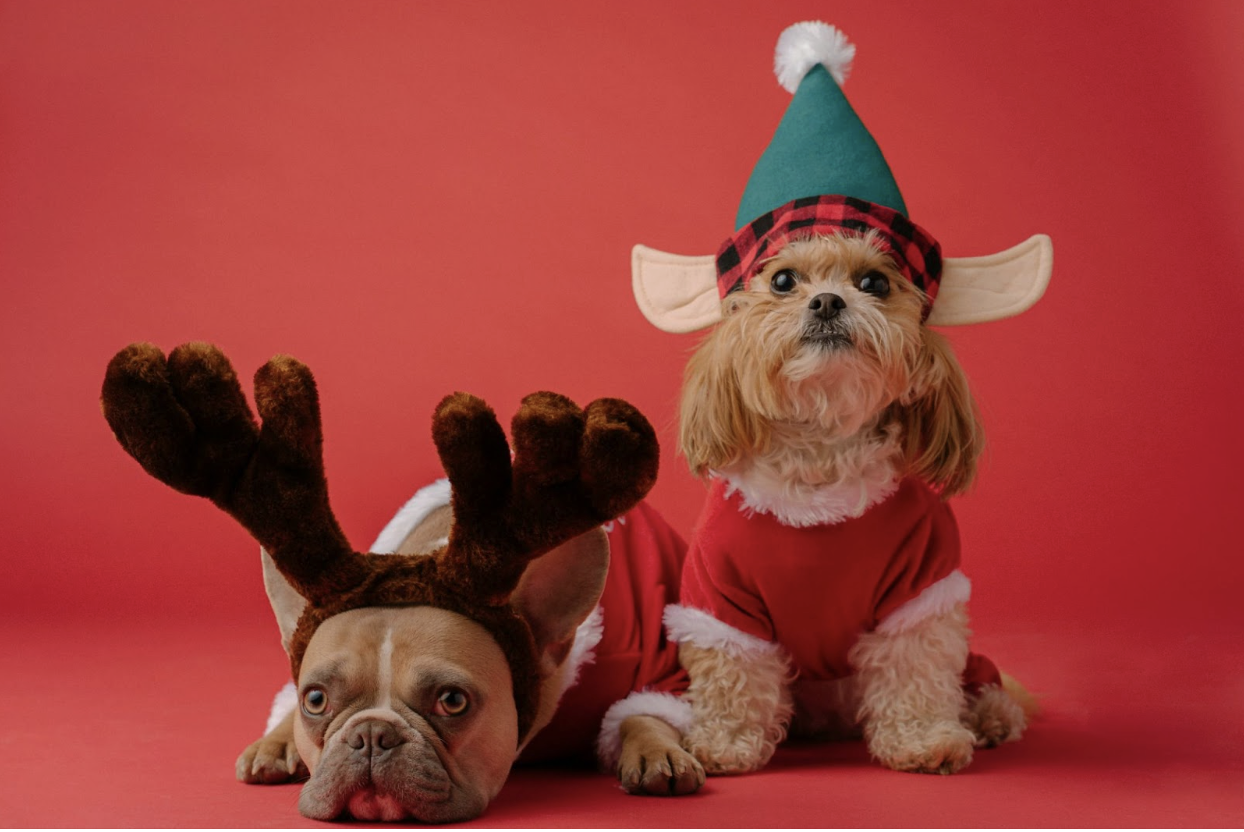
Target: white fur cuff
x: 664, y: 706
x: 583, y: 650
x: 286, y: 700
x: 688, y: 625
x: 937, y: 599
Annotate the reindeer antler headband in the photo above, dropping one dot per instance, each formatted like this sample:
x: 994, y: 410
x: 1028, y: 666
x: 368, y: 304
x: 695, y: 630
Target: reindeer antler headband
x: 186, y: 421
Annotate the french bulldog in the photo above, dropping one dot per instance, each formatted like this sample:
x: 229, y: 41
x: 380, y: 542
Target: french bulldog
x: 425, y: 668
x: 405, y: 712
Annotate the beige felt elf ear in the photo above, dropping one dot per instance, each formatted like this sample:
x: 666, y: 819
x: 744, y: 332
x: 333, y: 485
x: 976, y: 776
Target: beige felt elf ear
x: 679, y: 294
x: 675, y: 293
x: 974, y: 290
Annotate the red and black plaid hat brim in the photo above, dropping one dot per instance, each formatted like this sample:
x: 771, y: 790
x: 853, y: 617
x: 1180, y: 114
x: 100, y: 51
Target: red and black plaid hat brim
x: 916, y: 253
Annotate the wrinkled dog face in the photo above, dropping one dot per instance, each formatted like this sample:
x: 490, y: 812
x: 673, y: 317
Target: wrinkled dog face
x: 404, y: 713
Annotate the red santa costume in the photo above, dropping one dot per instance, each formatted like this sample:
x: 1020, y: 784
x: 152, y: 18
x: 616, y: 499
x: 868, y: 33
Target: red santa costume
x: 754, y: 583
x: 624, y: 663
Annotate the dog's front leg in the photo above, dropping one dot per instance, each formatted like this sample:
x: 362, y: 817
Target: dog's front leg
x: 912, y: 699
x: 640, y: 740
x: 653, y: 760
x: 273, y: 758
x: 741, y: 706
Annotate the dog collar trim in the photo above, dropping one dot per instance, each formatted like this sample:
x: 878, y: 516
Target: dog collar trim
x: 917, y: 254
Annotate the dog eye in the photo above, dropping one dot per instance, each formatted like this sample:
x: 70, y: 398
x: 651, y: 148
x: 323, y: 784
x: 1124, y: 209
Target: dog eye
x: 875, y: 283
x: 782, y: 282
x: 314, y: 702
x: 452, y: 702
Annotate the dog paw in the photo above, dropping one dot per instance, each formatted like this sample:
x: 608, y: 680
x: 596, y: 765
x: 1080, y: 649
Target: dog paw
x: 270, y: 760
x: 722, y: 751
x: 941, y: 748
x: 994, y: 717
x: 659, y: 770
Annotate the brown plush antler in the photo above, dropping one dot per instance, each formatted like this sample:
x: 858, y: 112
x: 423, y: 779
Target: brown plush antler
x: 187, y: 423
x: 572, y: 470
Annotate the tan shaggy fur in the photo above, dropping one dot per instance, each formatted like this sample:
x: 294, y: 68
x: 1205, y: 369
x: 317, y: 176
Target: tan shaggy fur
x: 741, y: 703
x: 912, y: 695
x: 788, y: 415
x: 753, y: 393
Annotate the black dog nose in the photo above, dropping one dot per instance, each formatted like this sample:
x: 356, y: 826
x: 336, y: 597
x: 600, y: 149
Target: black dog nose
x: 374, y: 737
x: 826, y: 305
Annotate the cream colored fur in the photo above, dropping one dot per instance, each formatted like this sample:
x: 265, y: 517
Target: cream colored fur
x: 815, y: 432
x: 911, y: 695
x: 906, y: 698
x: 999, y: 715
x: 741, y: 704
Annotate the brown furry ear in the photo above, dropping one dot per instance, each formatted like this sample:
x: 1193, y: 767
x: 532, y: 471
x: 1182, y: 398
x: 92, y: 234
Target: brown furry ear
x: 714, y: 427
x: 942, y: 430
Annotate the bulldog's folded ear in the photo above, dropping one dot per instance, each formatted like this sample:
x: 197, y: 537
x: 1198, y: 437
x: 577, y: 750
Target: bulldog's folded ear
x: 559, y: 591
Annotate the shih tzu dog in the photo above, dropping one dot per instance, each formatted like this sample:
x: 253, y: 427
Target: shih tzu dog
x: 821, y: 593
x: 823, y: 582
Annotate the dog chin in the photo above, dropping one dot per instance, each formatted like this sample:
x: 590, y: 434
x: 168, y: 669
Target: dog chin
x: 372, y: 801
x: 833, y: 387
x: 401, y: 788
x: 370, y: 805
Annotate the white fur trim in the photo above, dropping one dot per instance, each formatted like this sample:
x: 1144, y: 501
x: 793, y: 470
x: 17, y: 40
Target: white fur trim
x: 417, y: 508
x: 664, y: 706
x: 937, y: 599
x: 694, y: 626
x: 801, y: 507
x: 804, y: 45
x: 583, y: 651
x: 283, y: 703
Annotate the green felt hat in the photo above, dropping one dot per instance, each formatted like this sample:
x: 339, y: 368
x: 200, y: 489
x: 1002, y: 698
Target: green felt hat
x: 820, y: 146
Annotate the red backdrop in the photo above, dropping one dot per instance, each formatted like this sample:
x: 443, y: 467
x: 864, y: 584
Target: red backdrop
x: 422, y: 197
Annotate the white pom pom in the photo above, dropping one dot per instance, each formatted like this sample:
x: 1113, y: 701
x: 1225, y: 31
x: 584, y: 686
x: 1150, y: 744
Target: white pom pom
x: 804, y: 45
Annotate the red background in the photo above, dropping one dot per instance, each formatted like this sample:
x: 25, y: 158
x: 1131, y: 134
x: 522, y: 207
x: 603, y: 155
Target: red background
x: 415, y: 198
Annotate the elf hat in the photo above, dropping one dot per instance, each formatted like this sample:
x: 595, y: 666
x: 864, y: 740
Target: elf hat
x: 824, y: 173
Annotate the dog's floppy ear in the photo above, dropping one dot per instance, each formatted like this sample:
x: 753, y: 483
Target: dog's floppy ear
x: 713, y: 423
x: 559, y: 591
x: 943, y: 434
